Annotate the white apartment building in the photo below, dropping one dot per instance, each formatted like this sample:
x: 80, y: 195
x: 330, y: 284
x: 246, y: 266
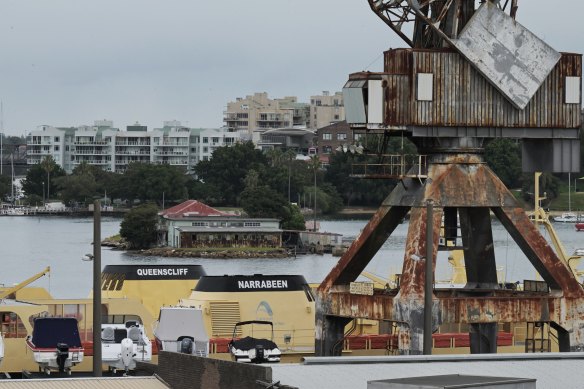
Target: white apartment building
x: 205, y: 141
x: 113, y: 150
x: 326, y: 109
x: 48, y: 141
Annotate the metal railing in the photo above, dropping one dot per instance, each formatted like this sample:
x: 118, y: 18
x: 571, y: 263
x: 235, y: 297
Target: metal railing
x: 392, y: 166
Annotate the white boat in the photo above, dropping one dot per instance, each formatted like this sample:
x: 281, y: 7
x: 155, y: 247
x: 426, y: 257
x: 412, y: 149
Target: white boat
x: 567, y: 217
x: 182, y: 329
x: 55, y: 344
x: 252, y: 349
x: 124, y: 344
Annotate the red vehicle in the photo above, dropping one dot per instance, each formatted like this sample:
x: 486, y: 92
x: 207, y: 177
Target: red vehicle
x: 579, y: 226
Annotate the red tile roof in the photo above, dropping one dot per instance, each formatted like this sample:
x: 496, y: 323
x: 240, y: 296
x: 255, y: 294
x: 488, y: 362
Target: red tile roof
x: 191, y: 208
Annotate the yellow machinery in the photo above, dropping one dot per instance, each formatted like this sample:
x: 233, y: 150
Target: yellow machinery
x: 5, y: 293
x: 540, y: 217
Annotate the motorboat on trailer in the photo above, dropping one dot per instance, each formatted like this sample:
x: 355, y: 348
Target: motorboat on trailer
x: 182, y: 329
x: 55, y: 344
x: 124, y: 344
x: 251, y: 349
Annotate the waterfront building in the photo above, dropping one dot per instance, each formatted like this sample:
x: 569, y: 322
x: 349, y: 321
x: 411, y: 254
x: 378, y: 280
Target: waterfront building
x: 326, y: 109
x: 113, y: 150
x: 193, y: 224
x: 300, y: 140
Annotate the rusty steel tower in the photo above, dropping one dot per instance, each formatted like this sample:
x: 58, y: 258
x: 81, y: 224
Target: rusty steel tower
x: 471, y: 74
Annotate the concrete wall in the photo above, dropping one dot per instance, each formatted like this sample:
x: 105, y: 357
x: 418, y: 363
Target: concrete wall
x: 188, y: 371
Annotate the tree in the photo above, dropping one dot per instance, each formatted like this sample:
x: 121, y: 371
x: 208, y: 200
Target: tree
x: 139, y: 226
x: 295, y: 221
x: 356, y: 191
x: 76, y: 188
x: 504, y: 157
x: 262, y: 201
x: 48, y: 164
x: 147, y: 182
x: 548, y: 184
x: 227, y: 168
x: 5, y: 188
x: 36, y: 175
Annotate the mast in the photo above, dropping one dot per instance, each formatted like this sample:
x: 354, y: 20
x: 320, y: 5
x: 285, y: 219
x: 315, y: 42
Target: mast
x: 1, y: 137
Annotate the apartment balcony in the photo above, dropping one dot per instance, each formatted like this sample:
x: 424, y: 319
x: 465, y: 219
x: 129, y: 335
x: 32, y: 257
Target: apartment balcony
x: 271, y: 119
x: 174, y: 144
x: 92, y: 143
x: 92, y: 162
x: 171, y: 153
x: 120, y: 143
x: 91, y: 152
x: 132, y: 152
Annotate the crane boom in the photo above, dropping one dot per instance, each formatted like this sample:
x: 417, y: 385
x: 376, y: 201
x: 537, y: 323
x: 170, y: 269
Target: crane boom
x: 16, y: 288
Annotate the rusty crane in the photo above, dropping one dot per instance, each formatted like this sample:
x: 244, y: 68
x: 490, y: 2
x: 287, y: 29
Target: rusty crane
x: 471, y: 74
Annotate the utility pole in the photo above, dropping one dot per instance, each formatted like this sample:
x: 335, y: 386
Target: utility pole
x: 429, y: 278
x: 96, y: 288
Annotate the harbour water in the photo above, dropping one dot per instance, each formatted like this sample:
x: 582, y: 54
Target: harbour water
x: 28, y: 244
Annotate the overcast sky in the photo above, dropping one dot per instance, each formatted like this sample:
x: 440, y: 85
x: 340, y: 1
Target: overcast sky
x: 70, y: 62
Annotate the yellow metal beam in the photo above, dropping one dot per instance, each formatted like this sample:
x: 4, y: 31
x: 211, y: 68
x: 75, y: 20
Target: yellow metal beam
x: 16, y: 288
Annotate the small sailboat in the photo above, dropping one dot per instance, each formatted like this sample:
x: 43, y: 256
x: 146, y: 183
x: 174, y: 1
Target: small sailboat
x: 55, y: 344
x: 182, y: 329
x: 124, y: 344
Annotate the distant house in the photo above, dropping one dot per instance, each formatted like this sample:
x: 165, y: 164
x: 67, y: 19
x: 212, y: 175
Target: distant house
x: 193, y: 224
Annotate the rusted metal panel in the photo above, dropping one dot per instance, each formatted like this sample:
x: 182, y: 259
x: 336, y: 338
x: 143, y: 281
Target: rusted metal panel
x: 511, y: 57
x: 463, y: 97
x: 503, y: 308
x: 362, y: 250
x: 413, y: 271
x: 555, y: 272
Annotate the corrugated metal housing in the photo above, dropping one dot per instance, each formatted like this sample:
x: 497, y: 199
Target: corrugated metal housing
x: 463, y: 97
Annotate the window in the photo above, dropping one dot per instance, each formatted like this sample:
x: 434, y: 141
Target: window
x: 56, y: 147
x: 336, y: 102
x: 425, y: 86
x: 327, y: 136
x: 199, y: 224
x: 12, y: 326
x: 205, y: 139
x: 318, y: 103
x: 336, y: 117
x: 57, y: 139
x: 205, y: 149
x: 327, y: 149
x: 341, y: 136
x: 572, y: 90
x: 252, y: 224
x: 215, y: 140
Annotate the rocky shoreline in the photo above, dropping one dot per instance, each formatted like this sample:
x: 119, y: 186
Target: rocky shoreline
x: 218, y: 254
x: 119, y: 244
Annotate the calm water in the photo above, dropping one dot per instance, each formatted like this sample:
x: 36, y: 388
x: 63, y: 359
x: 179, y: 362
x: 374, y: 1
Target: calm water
x: 29, y: 244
